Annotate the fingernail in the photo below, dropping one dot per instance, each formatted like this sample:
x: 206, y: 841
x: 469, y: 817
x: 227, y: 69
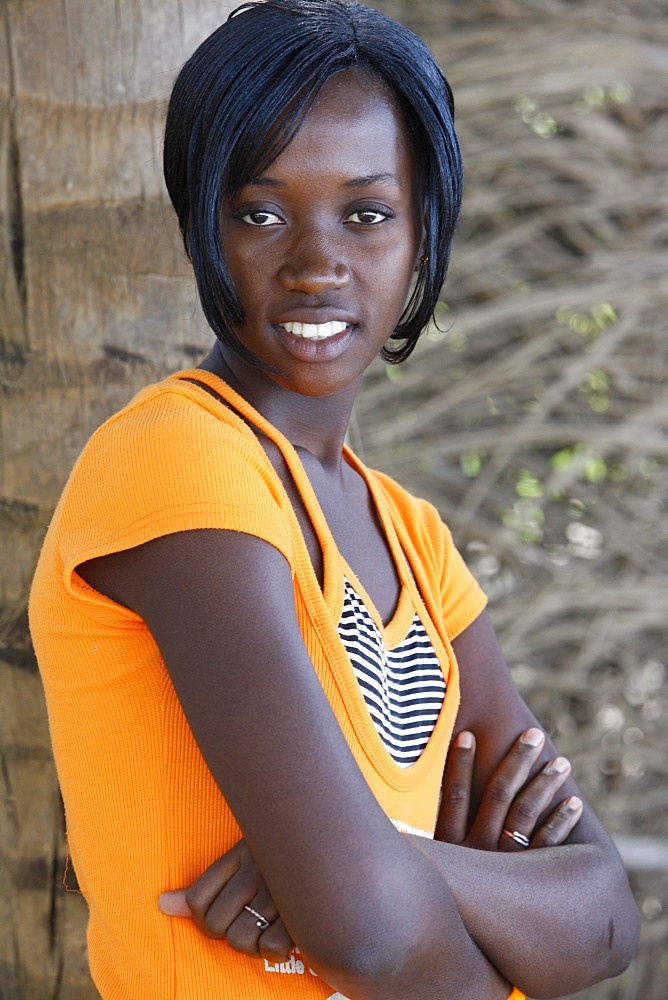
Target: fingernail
x: 559, y: 764
x: 574, y: 804
x: 533, y: 738
x: 173, y: 904
x: 464, y: 741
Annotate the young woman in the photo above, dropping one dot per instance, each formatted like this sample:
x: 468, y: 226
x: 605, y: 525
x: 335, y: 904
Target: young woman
x: 255, y: 650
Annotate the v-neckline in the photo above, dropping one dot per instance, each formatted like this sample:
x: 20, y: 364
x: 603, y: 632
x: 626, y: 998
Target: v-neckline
x: 334, y: 565
x: 395, y: 630
x: 324, y: 604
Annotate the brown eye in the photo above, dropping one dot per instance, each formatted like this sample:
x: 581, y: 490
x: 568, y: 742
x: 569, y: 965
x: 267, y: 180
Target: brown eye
x: 262, y: 219
x: 368, y: 216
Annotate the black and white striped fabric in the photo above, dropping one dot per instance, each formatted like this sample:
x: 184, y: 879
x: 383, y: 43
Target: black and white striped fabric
x: 403, y: 687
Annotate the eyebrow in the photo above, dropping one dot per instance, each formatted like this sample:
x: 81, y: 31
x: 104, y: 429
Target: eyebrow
x: 369, y: 180
x: 353, y: 182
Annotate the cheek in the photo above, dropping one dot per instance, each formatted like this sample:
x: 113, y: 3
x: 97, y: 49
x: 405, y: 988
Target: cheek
x: 393, y: 271
x: 247, y: 277
x: 256, y: 261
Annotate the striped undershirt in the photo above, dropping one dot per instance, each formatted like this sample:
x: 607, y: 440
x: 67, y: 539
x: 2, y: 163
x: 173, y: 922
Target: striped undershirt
x: 403, y: 687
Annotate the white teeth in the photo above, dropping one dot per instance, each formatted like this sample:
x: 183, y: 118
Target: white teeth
x: 315, y: 331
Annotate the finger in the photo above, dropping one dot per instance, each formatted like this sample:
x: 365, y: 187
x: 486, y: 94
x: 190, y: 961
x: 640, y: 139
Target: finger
x: 533, y: 800
x: 174, y: 904
x: 228, y: 905
x: 276, y: 944
x: 243, y: 933
x: 204, y: 890
x: 455, y: 804
x: 501, y: 789
x: 559, y: 824
x: 221, y: 892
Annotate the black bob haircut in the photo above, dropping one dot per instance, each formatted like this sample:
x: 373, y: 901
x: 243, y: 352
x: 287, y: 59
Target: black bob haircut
x: 240, y: 99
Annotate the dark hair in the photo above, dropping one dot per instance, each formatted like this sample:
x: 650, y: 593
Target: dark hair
x: 240, y: 99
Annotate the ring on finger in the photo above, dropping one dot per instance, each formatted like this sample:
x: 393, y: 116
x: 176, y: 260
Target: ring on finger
x: 260, y: 921
x: 515, y: 835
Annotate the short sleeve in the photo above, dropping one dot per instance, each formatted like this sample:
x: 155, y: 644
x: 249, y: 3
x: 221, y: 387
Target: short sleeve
x: 170, y: 461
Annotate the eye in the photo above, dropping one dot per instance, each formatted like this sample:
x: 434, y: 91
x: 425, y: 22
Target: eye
x: 262, y: 219
x: 369, y: 216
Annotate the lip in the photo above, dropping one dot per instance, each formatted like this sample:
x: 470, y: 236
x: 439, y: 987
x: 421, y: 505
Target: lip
x: 315, y: 350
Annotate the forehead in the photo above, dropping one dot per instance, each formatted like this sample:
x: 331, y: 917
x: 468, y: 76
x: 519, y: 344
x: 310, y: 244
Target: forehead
x: 355, y: 128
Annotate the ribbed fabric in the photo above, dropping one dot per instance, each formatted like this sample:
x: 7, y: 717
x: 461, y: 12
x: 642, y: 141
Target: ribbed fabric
x: 143, y: 812
x: 403, y: 687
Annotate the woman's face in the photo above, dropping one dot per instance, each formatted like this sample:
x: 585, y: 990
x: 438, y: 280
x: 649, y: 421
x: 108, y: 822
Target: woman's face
x: 322, y: 246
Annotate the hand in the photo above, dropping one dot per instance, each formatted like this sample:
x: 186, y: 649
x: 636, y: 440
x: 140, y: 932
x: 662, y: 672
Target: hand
x: 216, y: 903
x: 512, y: 801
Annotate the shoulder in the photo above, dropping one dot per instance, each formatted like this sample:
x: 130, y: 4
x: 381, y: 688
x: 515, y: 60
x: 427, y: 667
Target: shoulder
x: 174, y: 415
x: 427, y: 542
x: 418, y: 522
x: 418, y: 517
x: 171, y: 437
x: 174, y: 459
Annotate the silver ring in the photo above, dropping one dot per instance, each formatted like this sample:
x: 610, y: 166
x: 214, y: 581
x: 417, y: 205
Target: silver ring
x: 518, y: 837
x: 261, y: 921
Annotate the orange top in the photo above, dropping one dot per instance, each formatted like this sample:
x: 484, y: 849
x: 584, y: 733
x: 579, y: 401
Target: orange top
x: 144, y: 814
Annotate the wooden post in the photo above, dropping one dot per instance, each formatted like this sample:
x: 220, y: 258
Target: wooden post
x: 96, y: 300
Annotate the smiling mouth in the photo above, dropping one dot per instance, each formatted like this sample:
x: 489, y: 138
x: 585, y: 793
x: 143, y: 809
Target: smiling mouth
x: 316, y: 331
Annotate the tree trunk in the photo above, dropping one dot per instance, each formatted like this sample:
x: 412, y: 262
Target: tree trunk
x: 97, y: 300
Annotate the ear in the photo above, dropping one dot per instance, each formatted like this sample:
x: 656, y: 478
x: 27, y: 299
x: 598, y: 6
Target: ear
x: 422, y: 259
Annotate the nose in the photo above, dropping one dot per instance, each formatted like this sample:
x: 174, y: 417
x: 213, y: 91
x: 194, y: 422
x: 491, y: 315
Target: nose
x: 314, y: 264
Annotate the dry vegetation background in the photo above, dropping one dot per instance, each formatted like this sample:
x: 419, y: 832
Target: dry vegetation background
x: 535, y: 419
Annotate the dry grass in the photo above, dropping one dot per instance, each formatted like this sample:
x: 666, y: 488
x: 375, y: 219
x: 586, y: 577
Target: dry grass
x: 537, y: 422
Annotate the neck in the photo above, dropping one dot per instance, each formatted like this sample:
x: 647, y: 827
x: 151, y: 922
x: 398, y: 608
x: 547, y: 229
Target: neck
x: 317, y: 424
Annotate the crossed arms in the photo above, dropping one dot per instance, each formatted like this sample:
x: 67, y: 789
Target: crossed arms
x: 398, y: 918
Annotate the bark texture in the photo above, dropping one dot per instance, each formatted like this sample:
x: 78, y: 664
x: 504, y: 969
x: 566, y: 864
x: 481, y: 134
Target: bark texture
x: 96, y: 300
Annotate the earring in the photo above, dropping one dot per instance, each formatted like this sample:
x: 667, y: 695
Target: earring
x: 423, y: 262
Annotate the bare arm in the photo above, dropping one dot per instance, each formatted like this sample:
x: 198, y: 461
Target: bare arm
x: 217, y: 900
x: 553, y: 920
x: 377, y: 923
x: 538, y: 917
x: 486, y: 885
